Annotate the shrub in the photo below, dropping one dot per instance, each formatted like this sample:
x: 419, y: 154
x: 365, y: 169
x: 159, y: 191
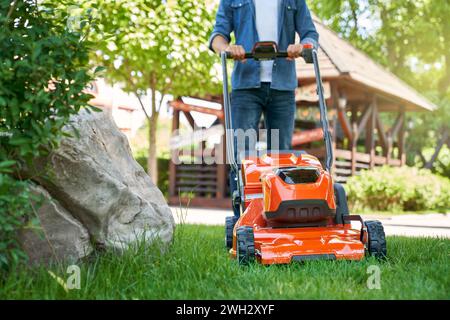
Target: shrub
x: 406, y: 189
x: 17, y: 208
x: 43, y: 72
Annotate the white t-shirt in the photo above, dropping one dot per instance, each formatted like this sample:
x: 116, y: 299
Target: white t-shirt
x: 267, y: 27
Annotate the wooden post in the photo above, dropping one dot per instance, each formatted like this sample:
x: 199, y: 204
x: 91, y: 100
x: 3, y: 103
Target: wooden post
x: 354, y: 142
x: 345, y: 124
x: 384, y: 138
x: 334, y: 130
x: 401, y: 138
x: 341, y: 113
x: 358, y: 126
x: 190, y: 119
x: 370, y: 134
x: 381, y: 133
x: 393, y: 133
x: 388, y: 151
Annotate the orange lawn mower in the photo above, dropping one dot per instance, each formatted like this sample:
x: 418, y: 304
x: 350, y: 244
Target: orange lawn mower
x: 291, y: 210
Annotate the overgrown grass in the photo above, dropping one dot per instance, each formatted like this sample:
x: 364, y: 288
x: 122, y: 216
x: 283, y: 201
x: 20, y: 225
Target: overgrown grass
x: 197, y: 267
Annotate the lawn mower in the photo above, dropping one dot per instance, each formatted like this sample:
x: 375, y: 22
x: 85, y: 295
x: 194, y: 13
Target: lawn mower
x: 291, y: 210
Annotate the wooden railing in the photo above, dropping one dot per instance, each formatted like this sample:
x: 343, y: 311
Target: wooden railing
x: 343, y: 164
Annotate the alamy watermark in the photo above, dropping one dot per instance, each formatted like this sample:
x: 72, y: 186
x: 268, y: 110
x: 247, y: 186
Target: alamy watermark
x: 73, y: 281
x: 374, y: 279
x: 195, y: 149
x: 5, y: 134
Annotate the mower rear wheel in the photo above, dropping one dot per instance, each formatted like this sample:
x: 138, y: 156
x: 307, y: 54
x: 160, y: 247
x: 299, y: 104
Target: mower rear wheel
x: 376, y: 246
x: 245, y: 245
x: 230, y: 222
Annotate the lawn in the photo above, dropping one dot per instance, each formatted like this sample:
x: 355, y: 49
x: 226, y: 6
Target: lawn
x: 197, y: 267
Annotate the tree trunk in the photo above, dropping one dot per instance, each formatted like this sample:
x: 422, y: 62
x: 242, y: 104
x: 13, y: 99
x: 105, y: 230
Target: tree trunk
x: 437, y: 151
x: 152, y: 164
x: 354, y: 8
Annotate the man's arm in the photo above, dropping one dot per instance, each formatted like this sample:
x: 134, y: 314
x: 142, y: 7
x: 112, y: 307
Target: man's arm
x: 304, y: 26
x: 221, y: 36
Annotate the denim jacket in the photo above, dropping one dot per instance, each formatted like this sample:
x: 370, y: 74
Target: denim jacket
x: 238, y: 16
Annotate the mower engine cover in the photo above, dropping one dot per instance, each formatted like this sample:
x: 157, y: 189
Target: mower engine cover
x: 296, y: 190
x: 298, y: 195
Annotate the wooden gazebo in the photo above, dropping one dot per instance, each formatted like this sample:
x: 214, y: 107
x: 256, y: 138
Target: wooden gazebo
x: 367, y: 111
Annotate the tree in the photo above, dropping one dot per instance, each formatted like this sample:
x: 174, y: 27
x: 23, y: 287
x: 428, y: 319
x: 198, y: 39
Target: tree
x: 156, y: 47
x: 44, y: 68
x: 410, y: 38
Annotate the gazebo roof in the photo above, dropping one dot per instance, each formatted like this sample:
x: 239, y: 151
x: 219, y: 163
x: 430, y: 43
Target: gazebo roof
x: 339, y: 59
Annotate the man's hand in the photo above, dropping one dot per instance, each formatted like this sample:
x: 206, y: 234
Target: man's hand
x: 294, y: 51
x: 221, y: 44
x: 237, y: 52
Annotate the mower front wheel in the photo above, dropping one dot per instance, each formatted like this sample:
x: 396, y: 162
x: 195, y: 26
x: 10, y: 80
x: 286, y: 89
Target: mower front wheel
x: 229, y: 227
x: 376, y: 246
x: 245, y: 245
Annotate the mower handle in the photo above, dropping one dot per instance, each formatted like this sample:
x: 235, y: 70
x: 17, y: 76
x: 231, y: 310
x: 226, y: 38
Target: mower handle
x: 251, y: 55
x: 267, y: 51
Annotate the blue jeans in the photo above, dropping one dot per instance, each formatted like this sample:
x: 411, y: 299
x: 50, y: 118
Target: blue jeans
x: 247, y: 107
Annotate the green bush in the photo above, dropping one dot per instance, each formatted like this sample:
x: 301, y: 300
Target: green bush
x: 44, y: 68
x: 393, y: 189
x: 18, y: 207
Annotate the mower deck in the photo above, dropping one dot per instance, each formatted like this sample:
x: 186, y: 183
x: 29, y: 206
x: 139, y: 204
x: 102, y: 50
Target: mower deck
x: 286, y: 245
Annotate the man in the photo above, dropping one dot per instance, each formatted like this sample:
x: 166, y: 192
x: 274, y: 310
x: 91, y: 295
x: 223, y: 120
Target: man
x: 263, y: 87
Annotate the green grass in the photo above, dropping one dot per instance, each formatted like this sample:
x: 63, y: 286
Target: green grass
x: 197, y: 267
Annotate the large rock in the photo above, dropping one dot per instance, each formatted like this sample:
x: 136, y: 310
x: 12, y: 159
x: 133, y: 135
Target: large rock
x: 95, y: 178
x: 60, y: 238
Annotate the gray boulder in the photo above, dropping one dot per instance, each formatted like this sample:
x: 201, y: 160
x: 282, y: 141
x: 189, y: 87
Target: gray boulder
x: 60, y: 238
x: 95, y: 178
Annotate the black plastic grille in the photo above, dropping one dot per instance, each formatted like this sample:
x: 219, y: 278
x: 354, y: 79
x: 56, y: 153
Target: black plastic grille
x: 297, y: 175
